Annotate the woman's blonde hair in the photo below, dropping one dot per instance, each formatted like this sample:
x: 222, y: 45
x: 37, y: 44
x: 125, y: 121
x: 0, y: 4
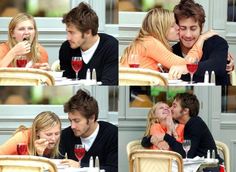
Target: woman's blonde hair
x: 156, y: 24
x: 34, y: 52
x: 151, y: 119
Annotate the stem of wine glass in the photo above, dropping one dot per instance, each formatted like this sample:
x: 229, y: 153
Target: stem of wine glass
x: 76, y: 75
x: 186, y: 155
x: 191, y: 78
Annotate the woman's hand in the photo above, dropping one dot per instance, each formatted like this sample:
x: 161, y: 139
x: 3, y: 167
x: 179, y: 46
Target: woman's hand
x: 176, y: 71
x: 71, y: 163
x: 40, y: 145
x: 230, y: 65
x: 21, y: 48
x: 163, y: 145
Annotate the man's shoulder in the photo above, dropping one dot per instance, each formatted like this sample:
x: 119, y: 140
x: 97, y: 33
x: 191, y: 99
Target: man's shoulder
x: 67, y: 130
x: 216, y: 39
x: 107, y: 126
x: 107, y: 38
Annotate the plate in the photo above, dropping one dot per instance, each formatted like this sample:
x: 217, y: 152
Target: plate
x: 174, y: 81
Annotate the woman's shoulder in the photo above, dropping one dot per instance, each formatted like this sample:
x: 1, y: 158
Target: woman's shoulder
x: 4, y: 46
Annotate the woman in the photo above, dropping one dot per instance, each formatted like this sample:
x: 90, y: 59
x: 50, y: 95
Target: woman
x: 152, y: 46
x: 23, y: 41
x: 159, y: 122
x: 42, y: 138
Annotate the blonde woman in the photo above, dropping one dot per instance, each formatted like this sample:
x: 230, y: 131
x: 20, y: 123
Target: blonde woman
x: 23, y: 41
x: 152, y: 46
x: 159, y: 121
x: 42, y: 138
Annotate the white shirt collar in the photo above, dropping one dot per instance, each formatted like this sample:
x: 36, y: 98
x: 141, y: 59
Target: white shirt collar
x: 88, y: 141
x: 88, y: 54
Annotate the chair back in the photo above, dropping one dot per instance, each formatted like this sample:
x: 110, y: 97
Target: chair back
x: 223, y: 151
x: 140, y: 76
x: 25, y: 76
x: 143, y: 160
x: 26, y: 163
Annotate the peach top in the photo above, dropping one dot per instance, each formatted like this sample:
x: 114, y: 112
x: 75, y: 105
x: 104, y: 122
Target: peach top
x: 151, y: 52
x: 4, y: 49
x: 9, y: 147
x: 157, y: 129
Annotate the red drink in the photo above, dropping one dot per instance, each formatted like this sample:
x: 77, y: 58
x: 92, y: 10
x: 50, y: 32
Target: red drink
x: 134, y: 65
x: 22, y: 149
x: 76, y: 65
x: 79, y: 152
x: 21, y: 62
x: 192, y: 68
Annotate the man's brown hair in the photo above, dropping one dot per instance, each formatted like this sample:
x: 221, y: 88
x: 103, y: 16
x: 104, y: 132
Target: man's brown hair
x: 84, y: 103
x: 189, y: 9
x: 83, y: 17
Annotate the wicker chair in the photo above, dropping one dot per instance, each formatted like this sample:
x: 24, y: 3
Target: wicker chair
x: 25, y: 163
x: 25, y: 76
x: 140, y: 76
x: 223, y: 150
x: 143, y: 160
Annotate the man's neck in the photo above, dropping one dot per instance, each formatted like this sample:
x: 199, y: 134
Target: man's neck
x: 184, y: 119
x: 92, y: 129
x: 90, y: 42
x: 184, y: 49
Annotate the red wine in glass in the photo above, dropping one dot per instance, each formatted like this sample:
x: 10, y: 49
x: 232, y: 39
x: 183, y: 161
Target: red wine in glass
x: 21, y: 62
x: 76, y: 63
x: 133, y: 61
x: 22, y: 149
x: 134, y: 65
x: 192, y: 68
x: 79, y: 151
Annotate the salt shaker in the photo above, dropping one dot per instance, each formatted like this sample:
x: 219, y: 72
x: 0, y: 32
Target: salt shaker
x: 97, y: 162
x: 91, y: 162
x: 206, y: 77
x: 94, y: 75
x: 208, y: 154
x: 213, y: 155
x: 88, y: 74
x: 213, y: 77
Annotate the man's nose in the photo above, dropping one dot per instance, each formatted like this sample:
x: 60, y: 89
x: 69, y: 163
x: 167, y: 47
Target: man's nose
x: 188, y: 33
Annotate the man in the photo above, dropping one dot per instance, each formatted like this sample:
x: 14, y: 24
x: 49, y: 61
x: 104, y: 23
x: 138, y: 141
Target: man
x: 190, y: 17
x: 185, y: 110
x: 98, y: 50
x: 100, y: 138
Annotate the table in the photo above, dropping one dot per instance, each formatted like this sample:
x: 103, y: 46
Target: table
x: 196, y: 164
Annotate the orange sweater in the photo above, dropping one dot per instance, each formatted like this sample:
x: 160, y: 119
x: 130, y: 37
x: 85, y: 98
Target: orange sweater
x: 4, y: 49
x: 151, y: 52
x: 157, y: 129
x: 9, y: 147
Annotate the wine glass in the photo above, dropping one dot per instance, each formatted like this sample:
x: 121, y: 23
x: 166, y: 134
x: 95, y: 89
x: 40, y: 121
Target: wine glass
x: 186, y: 146
x: 133, y: 61
x: 22, y: 149
x: 79, y: 150
x: 21, y: 61
x: 76, y: 63
x: 192, y: 66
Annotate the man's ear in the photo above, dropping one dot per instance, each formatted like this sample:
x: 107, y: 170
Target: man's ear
x: 186, y: 111
x: 88, y: 32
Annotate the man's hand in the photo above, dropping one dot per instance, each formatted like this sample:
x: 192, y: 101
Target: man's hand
x: 71, y: 163
x: 155, y: 139
x: 230, y: 65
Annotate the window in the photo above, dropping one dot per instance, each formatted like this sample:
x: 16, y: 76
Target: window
x: 228, y: 101
x: 146, y: 97
x: 145, y: 5
x: 37, y: 8
x: 231, y: 16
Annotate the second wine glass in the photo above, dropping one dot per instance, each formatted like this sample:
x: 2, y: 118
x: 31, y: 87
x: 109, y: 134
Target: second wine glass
x: 22, y: 149
x: 192, y: 66
x: 76, y: 63
x: 79, y: 151
x: 133, y: 61
x: 186, y: 146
